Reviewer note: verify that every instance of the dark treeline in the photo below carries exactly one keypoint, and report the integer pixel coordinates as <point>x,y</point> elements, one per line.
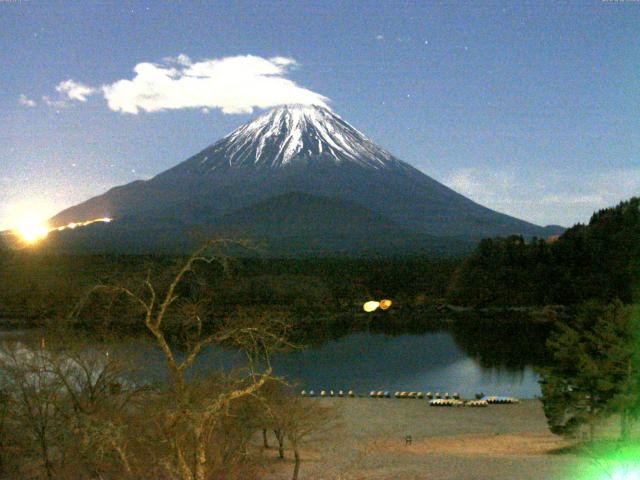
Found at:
<point>599,261</point>
<point>37,286</point>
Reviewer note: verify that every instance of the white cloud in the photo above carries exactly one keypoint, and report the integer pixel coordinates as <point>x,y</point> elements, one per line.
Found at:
<point>559,199</point>
<point>469,182</point>
<point>26,101</point>
<point>51,102</point>
<point>550,199</point>
<point>233,84</point>
<point>181,59</point>
<point>74,90</point>
<point>68,91</point>
<point>283,61</point>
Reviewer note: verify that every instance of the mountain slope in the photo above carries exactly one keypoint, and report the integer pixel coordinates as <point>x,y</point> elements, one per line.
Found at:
<point>292,224</point>
<point>303,149</point>
<point>300,223</point>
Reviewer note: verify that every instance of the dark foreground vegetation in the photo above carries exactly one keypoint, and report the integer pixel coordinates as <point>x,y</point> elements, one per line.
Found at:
<point>70,410</point>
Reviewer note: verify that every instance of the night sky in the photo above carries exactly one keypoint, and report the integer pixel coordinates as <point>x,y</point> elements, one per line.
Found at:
<point>530,108</point>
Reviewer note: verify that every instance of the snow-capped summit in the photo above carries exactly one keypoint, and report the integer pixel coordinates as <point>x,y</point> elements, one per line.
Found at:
<point>291,134</point>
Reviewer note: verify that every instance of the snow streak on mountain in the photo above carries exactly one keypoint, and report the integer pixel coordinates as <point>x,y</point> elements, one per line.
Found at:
<point>296,133</point>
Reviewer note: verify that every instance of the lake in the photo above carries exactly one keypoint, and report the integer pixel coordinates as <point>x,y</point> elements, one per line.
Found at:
<point>430,361</point>
<point>495,360</point>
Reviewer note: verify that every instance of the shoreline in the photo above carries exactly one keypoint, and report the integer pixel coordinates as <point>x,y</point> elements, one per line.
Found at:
<point>368,441</point>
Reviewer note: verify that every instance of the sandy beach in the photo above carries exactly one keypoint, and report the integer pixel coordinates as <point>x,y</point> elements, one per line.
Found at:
<point>368,442</point>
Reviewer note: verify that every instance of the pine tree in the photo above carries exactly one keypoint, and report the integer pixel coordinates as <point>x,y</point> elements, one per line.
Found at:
<point>594,370</point>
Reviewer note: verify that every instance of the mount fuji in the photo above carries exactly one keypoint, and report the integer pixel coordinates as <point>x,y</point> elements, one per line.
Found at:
<point>300,179</point>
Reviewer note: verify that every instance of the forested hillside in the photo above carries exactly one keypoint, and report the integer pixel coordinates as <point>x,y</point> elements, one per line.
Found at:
<point>599,261</point>
<point>38,286</point>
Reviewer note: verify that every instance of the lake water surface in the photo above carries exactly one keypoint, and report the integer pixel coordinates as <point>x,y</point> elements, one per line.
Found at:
<point>498,361</point>
<point>412,362</point>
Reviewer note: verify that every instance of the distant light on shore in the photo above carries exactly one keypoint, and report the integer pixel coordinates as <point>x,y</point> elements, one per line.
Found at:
<point>385,304</point>
<point>371,306</point>
<point>31,233</point>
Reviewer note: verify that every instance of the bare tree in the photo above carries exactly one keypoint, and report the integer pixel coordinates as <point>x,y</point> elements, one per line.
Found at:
<point>304,419</point>
<point>295,419</point>
<point>64,398</point>
<point>99,397</point>
<point>35,399</point>
<point>79,415</point>
<point>4,430</point>
<point>195,408</point>
<point>274,400</point>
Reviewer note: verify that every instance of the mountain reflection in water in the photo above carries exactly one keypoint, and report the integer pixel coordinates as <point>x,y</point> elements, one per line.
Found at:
<point>430,361</point>
<point>467,357</point>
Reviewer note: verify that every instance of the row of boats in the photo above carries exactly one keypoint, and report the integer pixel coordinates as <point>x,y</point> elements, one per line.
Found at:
<point>479,402</point>
<point>435,399</point>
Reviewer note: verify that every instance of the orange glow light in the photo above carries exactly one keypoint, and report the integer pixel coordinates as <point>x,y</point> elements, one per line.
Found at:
<point>32,232</point>
<point>385,304</point>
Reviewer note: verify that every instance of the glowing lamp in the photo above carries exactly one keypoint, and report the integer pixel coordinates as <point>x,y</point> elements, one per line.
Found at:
<point>31,233</point>
<point>371,306</point>
<point>385,304</point>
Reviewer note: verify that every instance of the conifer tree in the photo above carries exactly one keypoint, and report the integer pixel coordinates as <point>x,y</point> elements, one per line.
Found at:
<point>594,369</point>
